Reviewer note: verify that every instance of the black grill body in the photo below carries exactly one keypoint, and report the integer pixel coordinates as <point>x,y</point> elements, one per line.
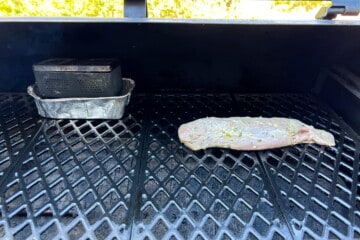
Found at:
<point>133,179</point>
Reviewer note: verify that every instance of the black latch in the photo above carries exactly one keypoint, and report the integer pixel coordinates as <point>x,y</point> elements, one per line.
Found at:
<point>343,7</point>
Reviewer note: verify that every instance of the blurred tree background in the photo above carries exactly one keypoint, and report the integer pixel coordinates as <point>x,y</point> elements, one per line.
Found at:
<point>235,9</point>
<point>205,9</point>
<point>62,8</point>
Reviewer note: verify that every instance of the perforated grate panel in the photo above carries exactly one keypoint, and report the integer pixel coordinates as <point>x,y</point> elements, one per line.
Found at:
<point>132,179</point>
<point>18,124</point>
<point>317,187</point>
<point>77,182</point>
<point>212,194</point>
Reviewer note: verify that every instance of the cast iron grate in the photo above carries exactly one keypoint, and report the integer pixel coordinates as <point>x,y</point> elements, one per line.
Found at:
<point>212,194</point>
<point>18,124</point>
<point>318,187</point>
<point>131,178</point>
<point>77,182</point>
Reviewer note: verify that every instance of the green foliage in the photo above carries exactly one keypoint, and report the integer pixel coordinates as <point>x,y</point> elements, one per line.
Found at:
<point>288,6</point>
<point>192,8</point>
<point>62,8</point>
<point>213,9</point>
<point>233,9</point>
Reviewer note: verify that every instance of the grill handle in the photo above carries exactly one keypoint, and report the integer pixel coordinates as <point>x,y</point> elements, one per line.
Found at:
<point>343,7</point>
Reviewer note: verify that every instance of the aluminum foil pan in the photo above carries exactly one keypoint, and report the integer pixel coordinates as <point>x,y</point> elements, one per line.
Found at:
<point>84,108</point>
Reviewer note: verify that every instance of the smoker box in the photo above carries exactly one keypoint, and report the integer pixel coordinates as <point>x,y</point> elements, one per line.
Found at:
<point>65,78</point>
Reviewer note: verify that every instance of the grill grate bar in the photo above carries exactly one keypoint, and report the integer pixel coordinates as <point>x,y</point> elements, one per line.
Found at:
<point>189,195</point>
<point>315,186</point>
<point>18,126</point>
<point>131,178</point>
<point>92,187</point>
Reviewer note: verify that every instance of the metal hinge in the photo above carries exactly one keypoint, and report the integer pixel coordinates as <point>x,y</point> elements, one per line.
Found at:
<point>343,7</point>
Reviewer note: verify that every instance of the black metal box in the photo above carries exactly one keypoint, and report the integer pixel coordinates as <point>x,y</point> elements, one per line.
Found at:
<point>64,78</point>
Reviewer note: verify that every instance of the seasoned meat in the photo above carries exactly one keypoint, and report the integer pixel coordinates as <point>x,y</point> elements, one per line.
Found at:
<point>246,133</point>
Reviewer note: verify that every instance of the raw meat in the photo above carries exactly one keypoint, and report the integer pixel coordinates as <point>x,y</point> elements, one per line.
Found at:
<point>246,133</point>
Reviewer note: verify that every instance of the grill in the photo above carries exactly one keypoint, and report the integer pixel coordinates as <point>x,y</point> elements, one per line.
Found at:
<point>69,78</point>
<point>132,179</point>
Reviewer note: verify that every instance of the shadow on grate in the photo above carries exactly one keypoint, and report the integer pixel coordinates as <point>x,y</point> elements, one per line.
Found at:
<point>18,124</point>
<point>317,187</point>
<point>77,182</point>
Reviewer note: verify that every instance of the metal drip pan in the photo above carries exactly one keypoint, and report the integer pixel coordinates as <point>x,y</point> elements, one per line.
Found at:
<point>84,108</point>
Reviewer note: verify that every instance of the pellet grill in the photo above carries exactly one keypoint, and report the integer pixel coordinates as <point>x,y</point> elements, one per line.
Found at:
<point>133,179</point>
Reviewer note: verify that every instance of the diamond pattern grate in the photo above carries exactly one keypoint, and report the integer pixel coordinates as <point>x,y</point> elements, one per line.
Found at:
<point>18,124</point>
<point>77,181</point>
<point>317,187</point>
<point>131,178</point>
<point>212,194</point>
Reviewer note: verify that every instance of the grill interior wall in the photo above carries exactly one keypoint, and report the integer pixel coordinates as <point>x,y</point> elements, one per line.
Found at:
<point>209,57</point>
